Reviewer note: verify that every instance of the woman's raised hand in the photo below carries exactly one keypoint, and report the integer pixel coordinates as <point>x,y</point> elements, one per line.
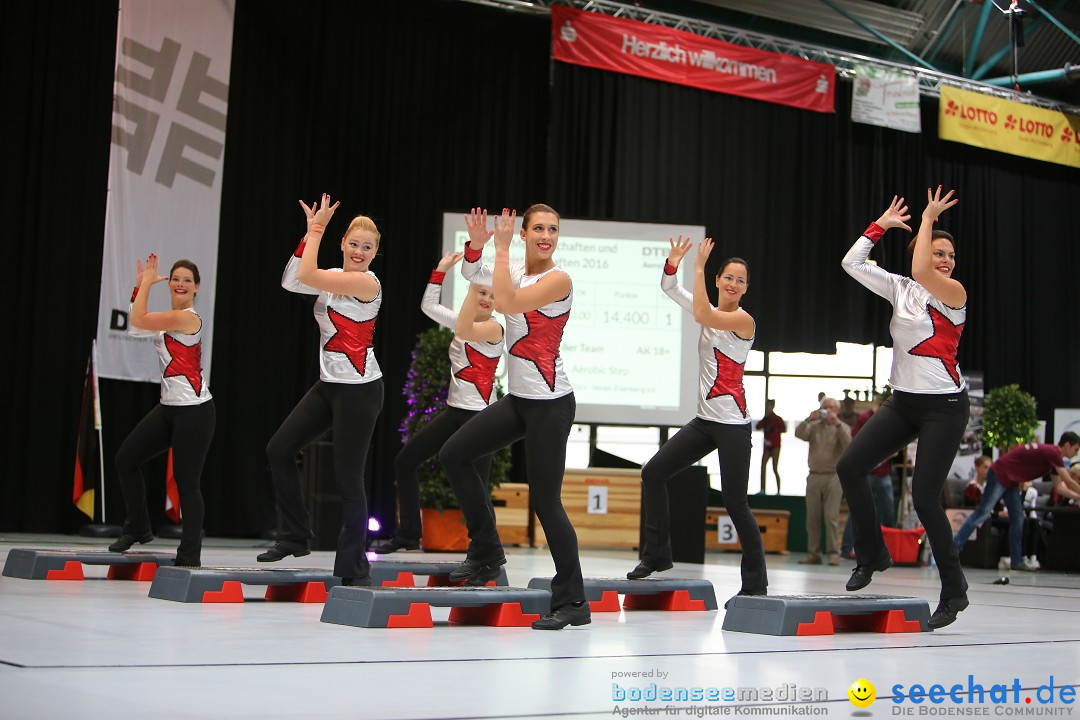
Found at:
<point>504,229</point>
<point>149,274</point>
<point>679,248</point>
<point>476,224</point>
<point>703,251</point>
<point>325,211</point>
<point>896,215</point>
<point>936,204</point>
<point>448,261</point>
<point>309,213</point>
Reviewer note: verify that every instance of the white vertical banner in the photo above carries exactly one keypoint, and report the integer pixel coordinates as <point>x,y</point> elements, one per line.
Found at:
<point>885,98</point>
<point>168,146</point>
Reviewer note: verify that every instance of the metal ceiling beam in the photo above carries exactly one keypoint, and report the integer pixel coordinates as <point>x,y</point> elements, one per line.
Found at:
<point>943,32</point>
<point>1007,48</point>
<point>929,81</point>
<point>873,31</point>
<point>1055,21</point>
<point>1069,72</point>
<point>969,61</point>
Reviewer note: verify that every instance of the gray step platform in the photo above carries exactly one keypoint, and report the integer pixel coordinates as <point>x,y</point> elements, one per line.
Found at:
<point>223,584</point>
<point>401,607</point>
<point>399,573</point>
<point>825,614</point>
<point>33,564</point>
<point>648,594</point>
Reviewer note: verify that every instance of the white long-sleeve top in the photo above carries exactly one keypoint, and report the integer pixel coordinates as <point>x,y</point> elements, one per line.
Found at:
<point>925,331</point>
<point>346,328</point>
<point>721,359</point>
<point>472,364</point>
<point>535,367</point>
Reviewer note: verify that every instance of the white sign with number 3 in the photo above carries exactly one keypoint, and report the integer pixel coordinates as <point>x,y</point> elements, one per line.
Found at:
<point>725,531</point>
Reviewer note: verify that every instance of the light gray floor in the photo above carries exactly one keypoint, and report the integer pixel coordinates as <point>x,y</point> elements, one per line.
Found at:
<point>103,649</point>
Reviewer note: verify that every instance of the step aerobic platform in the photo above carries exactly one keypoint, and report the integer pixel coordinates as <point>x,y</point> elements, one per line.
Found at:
<point>31,564</point>
<point>224,584</point>
<point>825,614</point>
<point>399,573</point>
<point>410,607</point>
<point>647,594</point>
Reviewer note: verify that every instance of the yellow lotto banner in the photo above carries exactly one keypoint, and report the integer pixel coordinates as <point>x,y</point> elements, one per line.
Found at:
<point>1006,126</point>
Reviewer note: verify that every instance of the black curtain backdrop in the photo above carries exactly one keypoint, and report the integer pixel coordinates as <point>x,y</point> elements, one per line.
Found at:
<point>790,190</point>
<point>56,66</point>
<point>403,111</point>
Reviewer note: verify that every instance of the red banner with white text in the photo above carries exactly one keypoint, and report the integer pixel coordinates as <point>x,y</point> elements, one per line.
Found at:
<point>661,53</point>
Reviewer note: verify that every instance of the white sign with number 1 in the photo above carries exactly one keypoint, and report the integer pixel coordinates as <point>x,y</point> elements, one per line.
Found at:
<point>598,499</point>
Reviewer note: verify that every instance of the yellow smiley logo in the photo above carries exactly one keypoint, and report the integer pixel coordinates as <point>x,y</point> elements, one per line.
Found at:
<point>862,693</point>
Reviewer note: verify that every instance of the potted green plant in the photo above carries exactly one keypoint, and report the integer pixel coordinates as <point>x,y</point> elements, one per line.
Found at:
<point>1009,417</point>
<point>425,390</point>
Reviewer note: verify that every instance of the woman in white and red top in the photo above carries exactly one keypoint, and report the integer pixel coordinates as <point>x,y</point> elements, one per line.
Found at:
<point>474,355</point>
<point>184,419</point>
<point>929,399</point>
<point>722,423</point>
<point>347,397</point>
<point>535,298</point>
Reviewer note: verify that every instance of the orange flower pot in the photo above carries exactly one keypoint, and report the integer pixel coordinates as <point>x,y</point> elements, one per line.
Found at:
<point>444,530</point>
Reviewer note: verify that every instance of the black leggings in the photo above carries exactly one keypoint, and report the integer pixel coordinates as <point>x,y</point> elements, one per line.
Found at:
<point>939,422</point>
<point>694,441</point>
<point>187,429</point>
<point>422,446</point>
<point>351,410</point>
<point>545,425</point>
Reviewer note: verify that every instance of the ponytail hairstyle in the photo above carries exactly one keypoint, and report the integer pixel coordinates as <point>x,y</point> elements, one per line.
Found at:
<point>934,235</point>
<point>535,208</point>
<point>363,222</point>
<point>736,261</point>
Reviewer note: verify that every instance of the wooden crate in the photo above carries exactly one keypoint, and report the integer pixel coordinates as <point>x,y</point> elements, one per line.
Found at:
<point>773,525</point>
<point>512,513</point>
<point>619,526</point>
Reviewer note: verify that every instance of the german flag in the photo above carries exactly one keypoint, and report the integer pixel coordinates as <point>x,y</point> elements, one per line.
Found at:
<point>87,449</point>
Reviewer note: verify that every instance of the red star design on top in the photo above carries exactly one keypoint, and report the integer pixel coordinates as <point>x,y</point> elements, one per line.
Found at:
<point>942,343</point>
<point>352,339</point>
<point>480,372</point>
<point>540,345</point>
<point>728,381</point>
<point>186,362</point>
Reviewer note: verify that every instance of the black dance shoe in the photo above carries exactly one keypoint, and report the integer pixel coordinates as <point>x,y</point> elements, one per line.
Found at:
<point>125,541</point>
<point>394,544</point>
<point>863,574</point>
<point>356,582</point>
<point>573,614</point>
<point>477,572</point>
<point>187,561</point>
<point>283,549</point>
<point>747,593</point>
<point>645,568</point>
<point>946,612</point>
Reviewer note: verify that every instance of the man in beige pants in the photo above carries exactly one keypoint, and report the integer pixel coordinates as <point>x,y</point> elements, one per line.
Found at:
<point>828,437</point>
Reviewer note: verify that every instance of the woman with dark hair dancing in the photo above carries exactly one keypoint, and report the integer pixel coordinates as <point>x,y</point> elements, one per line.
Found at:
<point>722,422</point>
<point>183,420</point>
<point>535,298</point>
<point>929,399</point>
<point>474,355</point>
<point>347,397</point>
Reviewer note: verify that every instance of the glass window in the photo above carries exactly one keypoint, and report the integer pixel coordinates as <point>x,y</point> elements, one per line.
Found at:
<point>755,362</point>
<point>882,367</point>
<point>577,447</point>
<point>636,444</point>
<point>850,360</point>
